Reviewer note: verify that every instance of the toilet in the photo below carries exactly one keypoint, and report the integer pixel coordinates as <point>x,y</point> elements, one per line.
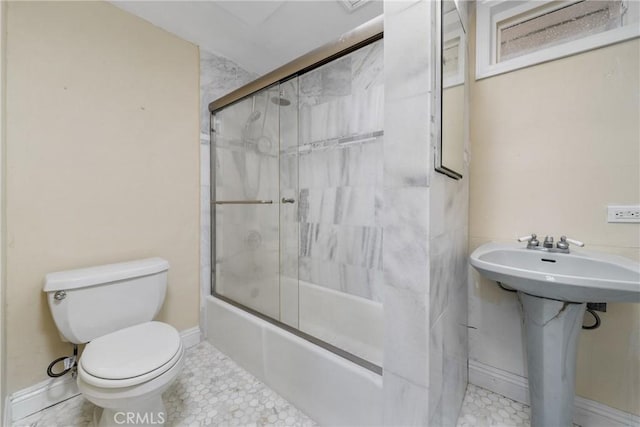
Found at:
<point>129,359</point>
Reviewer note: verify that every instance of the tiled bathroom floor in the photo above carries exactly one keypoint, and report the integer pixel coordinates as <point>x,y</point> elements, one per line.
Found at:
<point>213,390</point>
<point>482,408</point>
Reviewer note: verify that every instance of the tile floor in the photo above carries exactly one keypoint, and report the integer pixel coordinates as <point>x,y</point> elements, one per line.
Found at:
<point>482,408</point>
<point>213,390</point>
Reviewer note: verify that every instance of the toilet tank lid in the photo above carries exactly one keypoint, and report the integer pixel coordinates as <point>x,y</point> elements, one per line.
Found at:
<point>83,277</point>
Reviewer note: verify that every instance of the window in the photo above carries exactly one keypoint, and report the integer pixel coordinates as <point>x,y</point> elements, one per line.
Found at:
<point>517,34</point>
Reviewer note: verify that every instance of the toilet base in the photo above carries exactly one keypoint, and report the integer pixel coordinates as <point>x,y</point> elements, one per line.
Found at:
<point>151,413</point>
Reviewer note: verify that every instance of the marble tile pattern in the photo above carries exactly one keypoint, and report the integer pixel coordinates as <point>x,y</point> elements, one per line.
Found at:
<point>218,76</point>
<point>483,408</point>
<point>340,178</point>
<point>344,97</point>
<point>211,390</point>
<point>425,235</point>
<point>448,319</point>
<point>448,305</point>
<point>405,213</point>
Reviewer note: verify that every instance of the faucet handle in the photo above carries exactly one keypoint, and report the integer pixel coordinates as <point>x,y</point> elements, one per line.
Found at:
<point>572,241</point>
<point>532,240</point>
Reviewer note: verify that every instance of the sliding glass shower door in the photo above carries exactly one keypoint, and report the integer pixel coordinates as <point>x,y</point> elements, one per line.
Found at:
<point>246,197</point>
<point>297,196</point>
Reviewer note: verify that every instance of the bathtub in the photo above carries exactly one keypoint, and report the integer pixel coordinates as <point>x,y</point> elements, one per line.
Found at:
<point>329,388</point>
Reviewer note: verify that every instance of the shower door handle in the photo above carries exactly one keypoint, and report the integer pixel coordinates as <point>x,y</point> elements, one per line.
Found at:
<point>285,200</point>
<point>243,202</point>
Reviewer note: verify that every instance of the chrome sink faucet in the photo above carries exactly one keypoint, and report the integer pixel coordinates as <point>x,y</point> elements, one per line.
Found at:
<point>562,246</point>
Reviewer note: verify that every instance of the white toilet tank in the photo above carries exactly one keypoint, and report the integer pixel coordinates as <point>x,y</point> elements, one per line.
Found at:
<point>91,302</point>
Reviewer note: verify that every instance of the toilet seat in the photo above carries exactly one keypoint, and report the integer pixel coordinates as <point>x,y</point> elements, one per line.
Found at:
<point>130,356</point>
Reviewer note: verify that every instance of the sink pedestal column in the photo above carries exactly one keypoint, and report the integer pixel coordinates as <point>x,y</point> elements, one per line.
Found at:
<point>552,329</point>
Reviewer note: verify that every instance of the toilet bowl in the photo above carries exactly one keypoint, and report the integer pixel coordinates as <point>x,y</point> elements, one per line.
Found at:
<point>127,371</point>
<point>129,360</point>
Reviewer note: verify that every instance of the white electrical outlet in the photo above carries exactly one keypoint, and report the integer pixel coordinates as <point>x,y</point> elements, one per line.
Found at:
<point>618,213</point>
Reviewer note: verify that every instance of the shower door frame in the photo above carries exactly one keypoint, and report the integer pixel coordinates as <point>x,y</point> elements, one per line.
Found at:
<point>361,36</point>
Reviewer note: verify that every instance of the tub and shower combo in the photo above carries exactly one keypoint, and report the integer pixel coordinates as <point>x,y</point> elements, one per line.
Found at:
<point>296,245</point>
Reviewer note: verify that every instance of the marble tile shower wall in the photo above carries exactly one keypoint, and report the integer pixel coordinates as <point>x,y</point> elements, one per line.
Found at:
<point>218,76</point>
<point>341,119</point>
<point>424,218</point>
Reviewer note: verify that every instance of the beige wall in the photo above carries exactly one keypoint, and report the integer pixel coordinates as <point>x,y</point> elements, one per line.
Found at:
<point>102,149</point>
<point>552,145</point>
<point>3,27</point>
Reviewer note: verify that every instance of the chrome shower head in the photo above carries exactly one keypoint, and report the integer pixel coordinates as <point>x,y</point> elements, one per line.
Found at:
<point>279,100</point>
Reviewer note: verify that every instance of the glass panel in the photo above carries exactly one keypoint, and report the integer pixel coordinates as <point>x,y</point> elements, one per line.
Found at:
<point>289,226</point>
<point>340,178</point>
<point>246,136</point>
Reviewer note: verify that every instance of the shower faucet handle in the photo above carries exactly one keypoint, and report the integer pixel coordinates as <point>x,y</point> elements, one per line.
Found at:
<point>285,200</point>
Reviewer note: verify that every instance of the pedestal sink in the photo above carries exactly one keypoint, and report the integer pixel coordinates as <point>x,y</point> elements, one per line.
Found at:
<point>553,289</point>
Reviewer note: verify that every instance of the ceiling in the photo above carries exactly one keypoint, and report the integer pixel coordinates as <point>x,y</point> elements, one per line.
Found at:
<point>258,35</point>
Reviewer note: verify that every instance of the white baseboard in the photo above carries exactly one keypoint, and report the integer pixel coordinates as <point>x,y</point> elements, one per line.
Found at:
<point>40,396</point>
<point>588,413</point>
<point>191,337</point>
<point>499,381</point>
<point>50,392</point>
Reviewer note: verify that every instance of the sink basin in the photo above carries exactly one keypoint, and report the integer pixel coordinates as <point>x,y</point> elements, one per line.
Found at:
<point>580,276</point>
